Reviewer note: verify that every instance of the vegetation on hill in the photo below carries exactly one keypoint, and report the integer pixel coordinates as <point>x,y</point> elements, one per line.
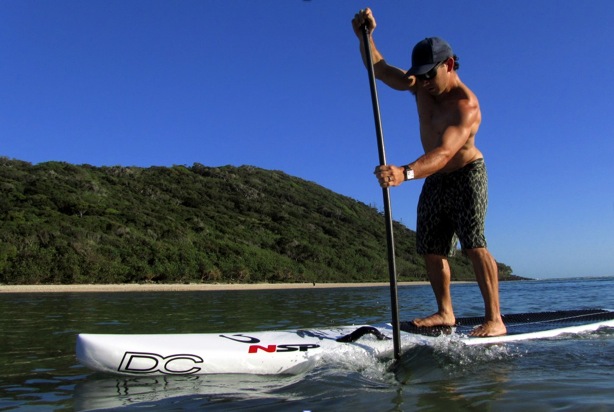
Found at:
<point>67,224</point>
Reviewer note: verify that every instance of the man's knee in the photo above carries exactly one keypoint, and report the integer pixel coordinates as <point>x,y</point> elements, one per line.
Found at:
<point>480,254</point>
<point>435,262</point>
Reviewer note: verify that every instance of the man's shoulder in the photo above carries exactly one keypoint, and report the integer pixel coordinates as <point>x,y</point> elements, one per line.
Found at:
<point>464,99</point>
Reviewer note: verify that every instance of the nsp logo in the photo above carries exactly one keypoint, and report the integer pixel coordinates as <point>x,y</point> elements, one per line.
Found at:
<point>149,363</point>
<point>241,338</point>
<point>303,347</point>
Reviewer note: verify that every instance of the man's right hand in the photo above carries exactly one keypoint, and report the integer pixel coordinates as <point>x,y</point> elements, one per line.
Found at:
<point>392,76</point>
<point>361,18</point>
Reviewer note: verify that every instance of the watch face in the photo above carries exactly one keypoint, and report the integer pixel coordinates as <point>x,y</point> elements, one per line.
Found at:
<point>409,173</point>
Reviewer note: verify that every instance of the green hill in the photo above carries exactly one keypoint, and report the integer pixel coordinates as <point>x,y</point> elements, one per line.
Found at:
<point>68,224</point>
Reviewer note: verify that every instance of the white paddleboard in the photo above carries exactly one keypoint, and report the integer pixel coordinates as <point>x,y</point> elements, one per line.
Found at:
<point>295,351</point>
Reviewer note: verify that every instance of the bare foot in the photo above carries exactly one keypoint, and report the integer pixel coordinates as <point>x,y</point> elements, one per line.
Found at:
<point>490,328</point>
<point>436,319</point>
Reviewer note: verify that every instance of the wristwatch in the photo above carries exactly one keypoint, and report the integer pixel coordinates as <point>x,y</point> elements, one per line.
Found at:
<point>408,172</point>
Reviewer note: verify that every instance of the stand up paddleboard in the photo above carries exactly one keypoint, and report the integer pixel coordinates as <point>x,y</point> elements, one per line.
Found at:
<point>295,351</point>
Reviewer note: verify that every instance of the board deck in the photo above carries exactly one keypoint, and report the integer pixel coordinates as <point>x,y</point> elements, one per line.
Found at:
<point>294,351</point>
<point>523,326</point>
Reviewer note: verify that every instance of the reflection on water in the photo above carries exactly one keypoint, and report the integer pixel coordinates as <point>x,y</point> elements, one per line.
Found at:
<point>114,392</point>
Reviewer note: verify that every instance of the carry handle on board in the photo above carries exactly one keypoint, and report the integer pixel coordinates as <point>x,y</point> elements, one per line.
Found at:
<point>392,271</point>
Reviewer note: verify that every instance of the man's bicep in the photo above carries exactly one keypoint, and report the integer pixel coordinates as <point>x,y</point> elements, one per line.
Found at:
<point>461,127</point>
<point>455,137</point>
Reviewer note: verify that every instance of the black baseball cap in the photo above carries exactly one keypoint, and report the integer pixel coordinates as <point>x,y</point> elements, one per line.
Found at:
<point>427,54</point>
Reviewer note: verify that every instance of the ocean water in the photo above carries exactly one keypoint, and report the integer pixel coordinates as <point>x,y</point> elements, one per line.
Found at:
<point>38,369</point>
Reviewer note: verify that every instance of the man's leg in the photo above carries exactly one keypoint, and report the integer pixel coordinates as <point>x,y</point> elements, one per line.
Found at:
<point>438,271</point>
<point>487,275</point>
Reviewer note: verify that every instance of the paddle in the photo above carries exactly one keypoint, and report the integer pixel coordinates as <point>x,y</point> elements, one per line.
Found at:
<point>392,271</point>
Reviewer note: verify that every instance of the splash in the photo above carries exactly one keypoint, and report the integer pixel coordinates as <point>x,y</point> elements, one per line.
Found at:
<point>445,356</point>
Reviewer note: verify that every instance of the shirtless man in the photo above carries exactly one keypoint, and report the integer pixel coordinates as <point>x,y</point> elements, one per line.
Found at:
<point>454,196</point>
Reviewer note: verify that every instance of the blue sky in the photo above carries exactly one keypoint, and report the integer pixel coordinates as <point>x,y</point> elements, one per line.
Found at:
<point>280,85</point>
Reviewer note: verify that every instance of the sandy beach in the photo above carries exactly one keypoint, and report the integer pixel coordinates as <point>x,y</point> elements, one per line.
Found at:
<point>186,287</point>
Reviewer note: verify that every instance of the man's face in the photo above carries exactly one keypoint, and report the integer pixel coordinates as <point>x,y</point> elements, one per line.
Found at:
<point>434,81</point>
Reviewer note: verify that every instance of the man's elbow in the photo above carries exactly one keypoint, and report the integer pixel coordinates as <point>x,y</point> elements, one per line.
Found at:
<point>443,159</point>
<point>379,70</point>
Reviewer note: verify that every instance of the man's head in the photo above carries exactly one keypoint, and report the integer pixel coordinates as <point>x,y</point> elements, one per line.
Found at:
<point>428,54</point>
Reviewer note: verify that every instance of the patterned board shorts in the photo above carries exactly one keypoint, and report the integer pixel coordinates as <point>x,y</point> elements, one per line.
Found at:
<point>452,207</point>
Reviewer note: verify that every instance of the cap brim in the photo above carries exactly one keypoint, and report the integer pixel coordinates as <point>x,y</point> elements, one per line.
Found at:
<point>416,71</point>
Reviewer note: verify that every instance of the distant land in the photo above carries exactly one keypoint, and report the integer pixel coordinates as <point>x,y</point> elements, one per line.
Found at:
<point>79,224</point>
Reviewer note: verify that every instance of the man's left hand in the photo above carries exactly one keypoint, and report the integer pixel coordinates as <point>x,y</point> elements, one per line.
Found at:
<point>389,175</point>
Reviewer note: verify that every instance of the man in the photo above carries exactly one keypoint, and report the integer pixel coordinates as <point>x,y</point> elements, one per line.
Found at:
<point>454,195</point>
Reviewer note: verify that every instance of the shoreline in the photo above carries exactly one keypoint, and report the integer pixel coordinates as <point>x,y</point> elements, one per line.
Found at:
<point>192,287</point>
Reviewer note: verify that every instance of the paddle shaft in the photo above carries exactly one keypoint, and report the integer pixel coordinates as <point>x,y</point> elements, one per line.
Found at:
<point>392,271</point>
